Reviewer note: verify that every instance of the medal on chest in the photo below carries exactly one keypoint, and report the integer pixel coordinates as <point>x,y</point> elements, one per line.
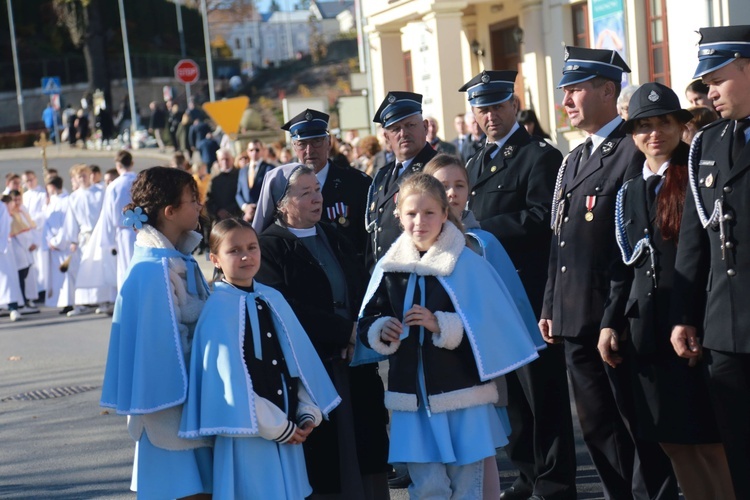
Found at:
<point>339,212</point>
<point>590,203</point>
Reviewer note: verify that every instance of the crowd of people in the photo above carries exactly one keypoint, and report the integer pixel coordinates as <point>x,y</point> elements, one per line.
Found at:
<point>490,272</point>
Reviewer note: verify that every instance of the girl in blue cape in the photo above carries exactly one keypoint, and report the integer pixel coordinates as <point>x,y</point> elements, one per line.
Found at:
<point>449,170</point>
<point>155,314</point>
<point>256,382</point>
<point>449,326</point>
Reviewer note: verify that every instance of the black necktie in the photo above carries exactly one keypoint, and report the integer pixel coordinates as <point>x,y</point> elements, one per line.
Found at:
<point>487,156</point>
<point>738,143</point>
<point>651,184</point>
<point>585,153</point>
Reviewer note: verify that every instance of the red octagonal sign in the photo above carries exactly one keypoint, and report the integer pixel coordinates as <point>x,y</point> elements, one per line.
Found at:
<point>187,71</point>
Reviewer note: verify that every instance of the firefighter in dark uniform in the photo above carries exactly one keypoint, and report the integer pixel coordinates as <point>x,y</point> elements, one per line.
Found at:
<point>584,258</point>
<point>344,188</point>
<point>512,178</point>
<point>713,253</point>
<point>405,129</point>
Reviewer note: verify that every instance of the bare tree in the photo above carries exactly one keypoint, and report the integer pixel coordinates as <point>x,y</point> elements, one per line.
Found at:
<point>83,20</point>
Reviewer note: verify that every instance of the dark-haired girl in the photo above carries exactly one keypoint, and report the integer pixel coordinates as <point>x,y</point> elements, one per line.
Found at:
<point>256,382</point>
<point>670,394</point>
<point>155,314</point>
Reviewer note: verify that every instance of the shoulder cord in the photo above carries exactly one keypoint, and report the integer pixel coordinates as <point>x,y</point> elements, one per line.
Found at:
<point>631,255</point>
<point>558,205</point>
<point>717,217</point>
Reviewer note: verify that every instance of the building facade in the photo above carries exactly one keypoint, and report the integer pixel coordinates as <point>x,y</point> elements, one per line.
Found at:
<point>434,46</point>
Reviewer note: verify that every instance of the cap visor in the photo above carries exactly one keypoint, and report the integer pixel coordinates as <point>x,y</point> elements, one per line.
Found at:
<point>573,77</point>
<point>682,116</point>
<point>706,66</point>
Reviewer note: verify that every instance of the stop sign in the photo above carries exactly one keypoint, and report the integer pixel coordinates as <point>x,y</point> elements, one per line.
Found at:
<point>187,71</point>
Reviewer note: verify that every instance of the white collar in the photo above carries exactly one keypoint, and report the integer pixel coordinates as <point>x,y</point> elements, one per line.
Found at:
<point>439,260</point>
<point>323,174</point>
<point>303,233</point>
<point>647,172</point>
<point>598,137</point>
<point>501,142</point>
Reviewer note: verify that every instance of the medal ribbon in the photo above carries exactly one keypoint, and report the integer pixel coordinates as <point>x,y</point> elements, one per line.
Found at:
<point>590,202</point>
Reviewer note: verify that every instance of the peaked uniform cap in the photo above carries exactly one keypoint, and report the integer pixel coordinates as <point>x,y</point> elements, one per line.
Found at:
<point>583,64</point>
<point>655,99</point>
<point>721,45</point>
<point>307,125</point>
<point>396,106</point>
<point>490,87</point>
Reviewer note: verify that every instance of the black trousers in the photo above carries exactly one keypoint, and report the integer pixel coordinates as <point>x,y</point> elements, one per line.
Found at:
<point>629,468</point>
<point>729,385</point>
<point>541,444</point>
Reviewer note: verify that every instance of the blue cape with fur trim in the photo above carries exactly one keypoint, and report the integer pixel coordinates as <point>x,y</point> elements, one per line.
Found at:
<point>221,397</point>
<point>146,369</point>
<point>492,250</point>
<point>499,337</point>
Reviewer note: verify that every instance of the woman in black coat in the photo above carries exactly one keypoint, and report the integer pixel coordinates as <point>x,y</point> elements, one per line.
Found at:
<point>670,393</point>
<point>318,272</point>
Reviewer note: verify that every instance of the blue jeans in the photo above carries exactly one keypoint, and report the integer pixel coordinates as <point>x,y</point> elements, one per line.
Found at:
<point>436,481</point>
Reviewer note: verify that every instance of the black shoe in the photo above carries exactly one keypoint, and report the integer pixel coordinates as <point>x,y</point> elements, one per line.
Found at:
<point>399,478</point>
<point>514,493</point>
<point>65,310</point>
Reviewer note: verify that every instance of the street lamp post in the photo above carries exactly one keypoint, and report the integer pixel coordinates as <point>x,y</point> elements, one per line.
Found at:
<point>183,51</point>
<point>19,91</point>
<point>128,72</point>
<point>209,57</point>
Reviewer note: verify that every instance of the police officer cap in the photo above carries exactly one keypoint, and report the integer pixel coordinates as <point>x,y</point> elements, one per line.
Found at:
<point>396,106</point>
<point>307,125</point>
<point>721,45</point>
<point>655,99</point>
<point>490,87</point>
<point>583,64</point>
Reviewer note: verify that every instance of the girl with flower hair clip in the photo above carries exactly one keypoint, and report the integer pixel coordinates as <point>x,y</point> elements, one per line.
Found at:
<point>156,310</point>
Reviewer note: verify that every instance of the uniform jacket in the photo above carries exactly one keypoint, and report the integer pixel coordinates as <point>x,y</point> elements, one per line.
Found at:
<point>288,266</point>
<point>470,146</point>
<point>512,199</point>
<point>466,296</point>
<point>346,190</point>
<point>699,263</point>
<point>382,224</point>
<point>642,300</point>
<point>244,193</point>
<point>583,255</point>
<point>443,147</point>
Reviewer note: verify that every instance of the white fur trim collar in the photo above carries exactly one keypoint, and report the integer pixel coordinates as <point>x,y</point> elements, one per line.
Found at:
<point>439,260</point>
<point>149,236</point>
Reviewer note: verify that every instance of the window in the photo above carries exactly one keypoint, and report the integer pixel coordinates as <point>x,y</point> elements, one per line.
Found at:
<point>581,24</point>
<point>237,43</point>
<point>658,42</point>
<point>250,42</point>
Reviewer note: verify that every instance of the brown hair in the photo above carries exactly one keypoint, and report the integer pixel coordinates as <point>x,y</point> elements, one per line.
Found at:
<point>422,183</point>
<point>159,187</point>
<point>221,229</point>
<point>124,158</point>
<point>671,196</point>
<point>443,161</point>
<point>702,116</point>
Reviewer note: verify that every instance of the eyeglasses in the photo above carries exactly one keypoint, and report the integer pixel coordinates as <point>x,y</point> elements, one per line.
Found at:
<point>316,143</point>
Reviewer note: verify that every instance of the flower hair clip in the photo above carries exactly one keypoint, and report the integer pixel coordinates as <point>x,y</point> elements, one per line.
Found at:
<point>134,218</point>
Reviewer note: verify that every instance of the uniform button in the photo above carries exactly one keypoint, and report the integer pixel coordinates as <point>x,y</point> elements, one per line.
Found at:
<point>566,219</point>
<point>649,294</point>
<point>279,392</point>
<point>727,189</point>
<point>274,362</point>
<point>728,216</point>
<point>380,249</point>
<point>268,335</point>
<point>563,269</point>
<point>380,229</point>
<point>380,210</point>
<point>562,244</point>
<point>597,188</point>
<point>260,307</point>
<point>569,195</point>
<point>729,244</point>
<point>500,186</point>
<point>473,193</point>
<point>645,231</point>
<point>731,272</point>
<point>649,273</point>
